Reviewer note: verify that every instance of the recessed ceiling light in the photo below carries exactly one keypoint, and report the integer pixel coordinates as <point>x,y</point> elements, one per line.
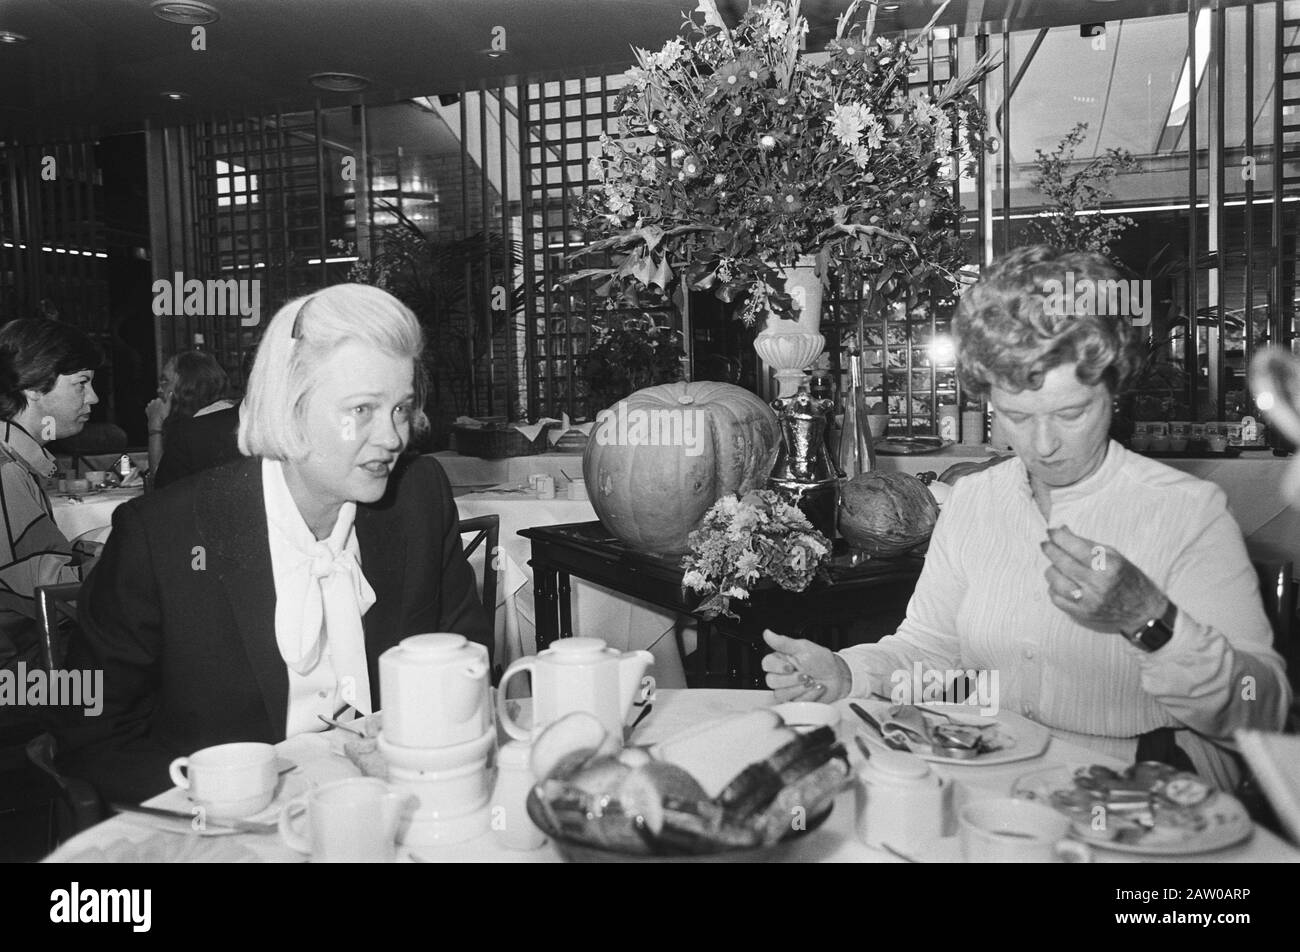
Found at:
<point>890,7</point>
<point>339,82</point>
<point>185,12</point>
<point>175,96</point>
<point>12,38</point>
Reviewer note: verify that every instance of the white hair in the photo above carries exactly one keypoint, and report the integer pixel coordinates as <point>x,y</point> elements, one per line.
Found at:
<point>300,337</point>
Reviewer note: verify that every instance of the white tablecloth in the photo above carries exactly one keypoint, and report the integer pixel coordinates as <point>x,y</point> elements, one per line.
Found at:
<point>673,712</point>
<point>94,514</point>
<point>625,623</point>
<point>470,472</point>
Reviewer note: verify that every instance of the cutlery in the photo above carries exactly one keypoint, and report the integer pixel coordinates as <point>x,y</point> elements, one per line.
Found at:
<point>862,746</point>
<point>284,770</point>
<point>340,725</point>
<point>645,712</point>
<point>243,826</point>
<point>901,855</point>
<point>893,739</point>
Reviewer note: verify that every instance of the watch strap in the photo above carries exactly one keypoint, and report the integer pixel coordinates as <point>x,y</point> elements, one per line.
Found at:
<point>1155,634</point>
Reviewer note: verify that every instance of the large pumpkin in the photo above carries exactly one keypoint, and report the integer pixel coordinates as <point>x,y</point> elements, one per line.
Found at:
<point>658,459</point>
<point>886,514</point>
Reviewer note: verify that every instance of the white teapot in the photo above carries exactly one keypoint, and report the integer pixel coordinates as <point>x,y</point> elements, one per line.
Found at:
<point>435,691</point>
<point>580,674</point>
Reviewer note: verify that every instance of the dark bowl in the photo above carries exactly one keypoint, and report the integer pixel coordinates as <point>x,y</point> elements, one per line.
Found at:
<point>574,851</point>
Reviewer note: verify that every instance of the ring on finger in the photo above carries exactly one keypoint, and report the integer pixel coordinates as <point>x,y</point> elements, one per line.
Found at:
<point>1077,594</point>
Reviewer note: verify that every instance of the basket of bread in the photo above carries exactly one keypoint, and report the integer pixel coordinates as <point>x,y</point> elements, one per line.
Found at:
<point>736,789</point>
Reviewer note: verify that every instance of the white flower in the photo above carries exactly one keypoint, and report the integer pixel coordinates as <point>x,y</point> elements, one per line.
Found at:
<point>847,120</point>
<point>668,56</point>
<point>695,579</point>
<point>736,592</point>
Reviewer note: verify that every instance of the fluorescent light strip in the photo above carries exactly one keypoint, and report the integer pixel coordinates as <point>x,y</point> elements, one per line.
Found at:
<point>344,260</point>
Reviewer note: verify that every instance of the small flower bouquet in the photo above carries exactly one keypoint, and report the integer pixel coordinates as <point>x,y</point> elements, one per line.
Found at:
<point>744,540</point>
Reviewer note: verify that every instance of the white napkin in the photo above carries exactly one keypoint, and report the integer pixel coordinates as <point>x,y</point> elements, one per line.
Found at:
<point>565,426</point>
<point>530,430</point>
<point>467,421</point>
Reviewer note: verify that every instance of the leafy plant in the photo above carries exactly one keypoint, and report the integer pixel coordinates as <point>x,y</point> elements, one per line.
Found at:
<point>736,155</point>
<point>1074,198</point>
<point>628,353</point>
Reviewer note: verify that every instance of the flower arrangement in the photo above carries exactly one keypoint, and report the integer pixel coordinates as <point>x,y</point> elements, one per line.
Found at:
<point>736,156</point>
<point>743,540</point>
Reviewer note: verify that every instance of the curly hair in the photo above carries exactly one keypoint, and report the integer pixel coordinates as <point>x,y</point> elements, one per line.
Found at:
<point>200,380</point>
<point>1018,322</point>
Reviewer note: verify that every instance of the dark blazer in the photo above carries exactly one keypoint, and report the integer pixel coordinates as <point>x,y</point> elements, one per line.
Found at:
<point>179,614</point>
<point>198,443</point>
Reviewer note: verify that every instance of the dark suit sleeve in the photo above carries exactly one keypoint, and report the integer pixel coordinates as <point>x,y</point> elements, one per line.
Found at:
<point>121,635</point>
<point>177,455</point>
<point>462,610</point>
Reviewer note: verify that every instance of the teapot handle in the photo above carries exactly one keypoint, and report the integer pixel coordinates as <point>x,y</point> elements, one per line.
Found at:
<point>503,710</point>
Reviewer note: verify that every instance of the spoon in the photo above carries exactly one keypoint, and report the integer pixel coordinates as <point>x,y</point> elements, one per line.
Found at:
<point>893,739</point>
<point>341,726</point>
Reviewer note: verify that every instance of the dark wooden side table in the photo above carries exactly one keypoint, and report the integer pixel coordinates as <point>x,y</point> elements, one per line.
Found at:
<point>863,600</point>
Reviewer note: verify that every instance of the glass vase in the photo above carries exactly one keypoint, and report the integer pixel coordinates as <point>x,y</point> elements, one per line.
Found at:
<point>856,455</point>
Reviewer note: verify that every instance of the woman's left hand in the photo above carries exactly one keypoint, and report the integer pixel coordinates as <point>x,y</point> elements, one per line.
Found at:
<point>1098,587</point>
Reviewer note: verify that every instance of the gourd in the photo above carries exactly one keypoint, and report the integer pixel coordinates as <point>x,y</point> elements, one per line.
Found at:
<point>659,458</point>
<point>886,514</point>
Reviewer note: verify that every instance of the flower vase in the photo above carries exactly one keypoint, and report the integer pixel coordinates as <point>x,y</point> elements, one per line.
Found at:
<point>786,346</point>
<point>857,454</point>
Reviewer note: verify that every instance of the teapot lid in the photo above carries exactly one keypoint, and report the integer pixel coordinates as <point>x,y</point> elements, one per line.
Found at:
<point>897,765</point>
<point>434,646</point>
<point>576,649</point>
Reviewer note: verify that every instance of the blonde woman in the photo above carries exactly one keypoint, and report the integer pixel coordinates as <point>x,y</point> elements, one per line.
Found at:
<point>243,603</point>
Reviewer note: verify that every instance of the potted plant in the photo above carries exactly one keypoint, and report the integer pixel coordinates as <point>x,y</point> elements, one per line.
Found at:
<point>628,353</point>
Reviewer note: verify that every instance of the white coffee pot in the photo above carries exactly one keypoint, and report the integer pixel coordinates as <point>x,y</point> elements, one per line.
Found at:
<point>580,674</point>
<point>435,691</point>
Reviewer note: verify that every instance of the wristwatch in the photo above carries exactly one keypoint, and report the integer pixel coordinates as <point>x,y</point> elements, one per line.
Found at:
<point>1155,633</point>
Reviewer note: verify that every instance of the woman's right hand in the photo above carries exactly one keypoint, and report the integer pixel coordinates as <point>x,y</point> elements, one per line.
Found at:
<point>799,670</point>
<point>157,411</point>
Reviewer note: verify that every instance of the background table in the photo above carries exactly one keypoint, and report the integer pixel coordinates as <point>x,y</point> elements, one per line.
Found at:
<point>674,711</point>
<point>625,623</point>
<point>470,472</point>
<point>94,514</point>
<point>863,600</point>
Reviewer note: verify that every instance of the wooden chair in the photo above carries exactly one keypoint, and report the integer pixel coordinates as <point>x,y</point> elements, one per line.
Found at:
<point>77,806</point>
<point>485,532</point>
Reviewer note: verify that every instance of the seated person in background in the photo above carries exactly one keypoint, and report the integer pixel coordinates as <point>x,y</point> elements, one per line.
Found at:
<point>1112,594</point>
<point>47,371</point>
<point>245,602</point>
<point>193,388</point>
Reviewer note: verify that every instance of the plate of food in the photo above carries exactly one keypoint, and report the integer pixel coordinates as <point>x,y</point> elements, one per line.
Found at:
<point>743,788</point>
<point>956,733</point>
<point>1150,808</point>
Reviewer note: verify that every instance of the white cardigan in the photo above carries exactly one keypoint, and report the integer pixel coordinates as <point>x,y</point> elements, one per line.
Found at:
<point>982,602</point>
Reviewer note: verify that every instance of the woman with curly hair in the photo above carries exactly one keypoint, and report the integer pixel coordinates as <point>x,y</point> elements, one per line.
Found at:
<point>192,384</point>
<point>1112,594</point>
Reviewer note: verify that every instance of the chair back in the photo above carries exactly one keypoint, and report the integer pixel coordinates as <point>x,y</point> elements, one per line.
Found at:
<point>53,603</point>
<point>483,532</point>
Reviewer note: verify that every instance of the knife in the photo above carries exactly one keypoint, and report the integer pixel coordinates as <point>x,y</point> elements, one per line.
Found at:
<point>875,725</point>
<point>228,823</point>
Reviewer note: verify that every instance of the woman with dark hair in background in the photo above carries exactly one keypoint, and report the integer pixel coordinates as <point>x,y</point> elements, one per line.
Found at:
<point>47,371</point>
<point>192,384</point>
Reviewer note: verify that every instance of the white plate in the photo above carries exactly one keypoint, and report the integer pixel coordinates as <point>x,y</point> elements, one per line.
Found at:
<point>177,799</point>
<point>807,715</point>
<point>1021,738</point>
<point>1228,823</point>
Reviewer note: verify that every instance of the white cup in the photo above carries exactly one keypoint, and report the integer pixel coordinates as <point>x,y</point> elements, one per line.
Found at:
<point>229,780</point>
<point>546,487</point>
<point>348,821</point>
<point>1006,830</point>
<point>578,489</point>
<point>96,478</point>
<point>900,801</point>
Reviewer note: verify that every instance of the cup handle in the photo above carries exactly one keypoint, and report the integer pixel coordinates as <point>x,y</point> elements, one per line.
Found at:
<point>176,770</point>
<point>292,838</point>
<point>647,691</point>
<point>503,713</point>
<point>1072,851</point>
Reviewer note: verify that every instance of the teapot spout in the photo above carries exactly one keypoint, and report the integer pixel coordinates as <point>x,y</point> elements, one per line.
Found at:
<point>633,685</point>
